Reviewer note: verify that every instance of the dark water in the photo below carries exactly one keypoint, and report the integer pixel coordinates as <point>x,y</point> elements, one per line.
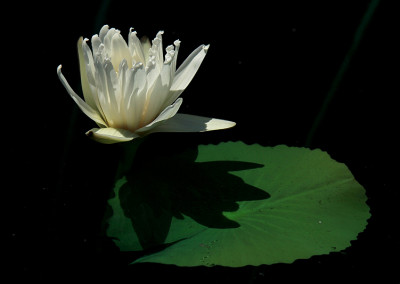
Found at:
<point>269,68</point>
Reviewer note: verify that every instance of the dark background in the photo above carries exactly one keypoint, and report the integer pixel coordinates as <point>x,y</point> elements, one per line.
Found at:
<point>269,68</point>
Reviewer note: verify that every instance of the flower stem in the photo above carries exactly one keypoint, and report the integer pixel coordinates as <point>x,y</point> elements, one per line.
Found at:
<point>128,152</point>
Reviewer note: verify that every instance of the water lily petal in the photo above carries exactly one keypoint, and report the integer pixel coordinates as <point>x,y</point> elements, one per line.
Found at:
<point>146,44</point>
<point>96,42</point>
<point>186,72</point>
<point>108,90</point>
<point>156,50</point>
<point>166,114</point>
<point>192,123</point>
<point>102,91</point>
<point>135,47</point>
<point>189,67</point>
<point>103,31</point>
<point>122,83</point>
<point>87,92</point>
<point>177,44</point>
<point>87,59</point>
<point>119,51</point>
<point>108,39</point>
<point>86,109</point>
<point>157,94</point>
<point>91,77</point>
<point>111,135</point>
<point>152,73</point>
<point>135,95</point>
<point>114,93</point>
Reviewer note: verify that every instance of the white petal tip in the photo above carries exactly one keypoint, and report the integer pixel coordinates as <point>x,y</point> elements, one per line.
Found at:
<point>219,124</point>
<point>206,47</point>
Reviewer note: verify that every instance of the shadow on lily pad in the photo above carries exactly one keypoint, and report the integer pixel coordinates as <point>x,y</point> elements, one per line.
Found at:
<point>208,204</point>
<point>166,183</point>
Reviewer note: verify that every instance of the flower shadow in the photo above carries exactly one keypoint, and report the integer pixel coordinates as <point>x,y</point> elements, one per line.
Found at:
<point>166,183</point>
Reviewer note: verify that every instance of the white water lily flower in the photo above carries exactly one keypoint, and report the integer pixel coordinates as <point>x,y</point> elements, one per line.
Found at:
<point>131,89</point>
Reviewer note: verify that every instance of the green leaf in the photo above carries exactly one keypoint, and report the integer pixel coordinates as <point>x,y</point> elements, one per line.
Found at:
<point>234,204</point>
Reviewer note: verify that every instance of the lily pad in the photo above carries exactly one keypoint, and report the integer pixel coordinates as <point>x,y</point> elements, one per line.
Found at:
<point>234,205</point>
